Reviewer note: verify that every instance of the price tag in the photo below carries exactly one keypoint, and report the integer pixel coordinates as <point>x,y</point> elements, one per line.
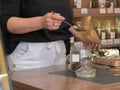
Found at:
<point>78,3</point>
<point>72,40</point>
<point>116,41</point>
<point>75,57</point>
<point>109,10</point>
<point>104,42</point>
<point>117,10</point>
<point>84,11</point>
<point>110,41</point>
<point>119,41</point>
<point>102,10</point>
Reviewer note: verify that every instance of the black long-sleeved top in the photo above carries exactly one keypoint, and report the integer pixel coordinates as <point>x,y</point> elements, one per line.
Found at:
<point>32,8</point>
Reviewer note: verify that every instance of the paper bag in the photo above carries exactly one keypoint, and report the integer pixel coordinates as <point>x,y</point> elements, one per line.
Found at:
<point>89,35</point>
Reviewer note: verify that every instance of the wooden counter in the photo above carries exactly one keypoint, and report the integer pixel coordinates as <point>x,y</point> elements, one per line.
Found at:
<point>41,79</point>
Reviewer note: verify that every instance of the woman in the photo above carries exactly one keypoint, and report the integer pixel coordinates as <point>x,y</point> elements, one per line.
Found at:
<point>34,36</point>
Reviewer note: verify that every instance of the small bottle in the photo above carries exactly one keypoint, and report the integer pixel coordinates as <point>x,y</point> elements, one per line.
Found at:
<point>108,28</point>
<point>117,29</point>
<point>117,3</point>
<point>98,27</point>
<point>95,4</point>
<point>79,3</point>
<point>102,3</point>
<point>112,3</point>
<point>73,3</point>
<point>108,4</point>
<point>112,32</point>
<point>103,33</point>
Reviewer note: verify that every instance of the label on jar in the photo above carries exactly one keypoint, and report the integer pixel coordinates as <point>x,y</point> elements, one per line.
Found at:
<point>84,53</point>
<point>78,3</point>
<point>110,41</point>
<point>99,31</point>
<point>103,35</point>
<point>75,57</point>
<point>112,35</point>
<point>75,2</point>
<point>118,32</point>
<point>102,10</point>
<point>118,29</point>
<point>104,42</point>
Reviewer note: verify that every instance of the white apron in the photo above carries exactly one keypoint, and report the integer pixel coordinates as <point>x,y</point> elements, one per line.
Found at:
<point>35,55</point>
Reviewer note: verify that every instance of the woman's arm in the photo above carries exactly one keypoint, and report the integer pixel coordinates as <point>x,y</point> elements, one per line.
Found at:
<point>49,21</point>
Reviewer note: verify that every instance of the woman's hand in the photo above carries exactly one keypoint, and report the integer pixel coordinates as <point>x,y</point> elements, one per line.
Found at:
<point>92,46</point>
<point>74,32</point>
<point>52,21</point>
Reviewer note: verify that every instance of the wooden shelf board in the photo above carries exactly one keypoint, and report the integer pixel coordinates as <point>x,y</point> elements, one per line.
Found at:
<point>92,12</point>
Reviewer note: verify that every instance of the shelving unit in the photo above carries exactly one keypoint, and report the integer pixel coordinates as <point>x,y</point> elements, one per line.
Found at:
<point>80,12</point>
<point>86,10</point>
<point>110,46</point>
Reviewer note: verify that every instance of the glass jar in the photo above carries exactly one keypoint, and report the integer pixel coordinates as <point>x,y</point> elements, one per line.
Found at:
<point>102,3</point>
<point>95,4</point>
<point>117,29</point>
<point>75,57</point>
<point>108,25</point>
<point>85,71</point>
<point>108,4</point>
<point>98,27</point>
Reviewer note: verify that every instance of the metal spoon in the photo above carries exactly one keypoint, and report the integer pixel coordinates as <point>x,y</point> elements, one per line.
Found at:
<point>78,29</point>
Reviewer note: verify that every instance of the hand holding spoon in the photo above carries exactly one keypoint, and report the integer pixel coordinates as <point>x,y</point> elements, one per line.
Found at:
<point>77,29</point>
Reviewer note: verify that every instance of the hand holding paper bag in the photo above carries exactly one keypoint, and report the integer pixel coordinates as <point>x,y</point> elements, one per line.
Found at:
<point>89,36</point>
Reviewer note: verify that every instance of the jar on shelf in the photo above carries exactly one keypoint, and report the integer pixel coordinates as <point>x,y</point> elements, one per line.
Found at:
<point>103,35</point>
<point>78,3</point>
<point>108,4</point>
<point>73,3</point>
<point>117,3</point>
<point>102,3</point>
<point>117,29</point>
<point>98,27</point>
<point>108,28</point>
<point>95,4</point>
<point>112,32</point>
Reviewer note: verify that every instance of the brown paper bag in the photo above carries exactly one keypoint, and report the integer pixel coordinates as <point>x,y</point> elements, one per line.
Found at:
<point>89,35</point>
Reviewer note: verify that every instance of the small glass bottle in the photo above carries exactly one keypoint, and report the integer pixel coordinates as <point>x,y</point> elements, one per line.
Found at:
<point>108,28</point>
<point>95,4</point>
<point>117,3</point>
<point>103,33</point>
<point>85,71</point>
<point>112,33</point>
<point>108,4</point>
<point>117,29</point>
<point>98,27</point>
<point>102,3</point>
<point>75,57</point>
<point>73,3</point>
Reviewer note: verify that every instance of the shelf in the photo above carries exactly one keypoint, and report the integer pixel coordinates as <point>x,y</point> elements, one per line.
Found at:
<point>110,46</point>
<point>79,12</point>
<point>78,42</point>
